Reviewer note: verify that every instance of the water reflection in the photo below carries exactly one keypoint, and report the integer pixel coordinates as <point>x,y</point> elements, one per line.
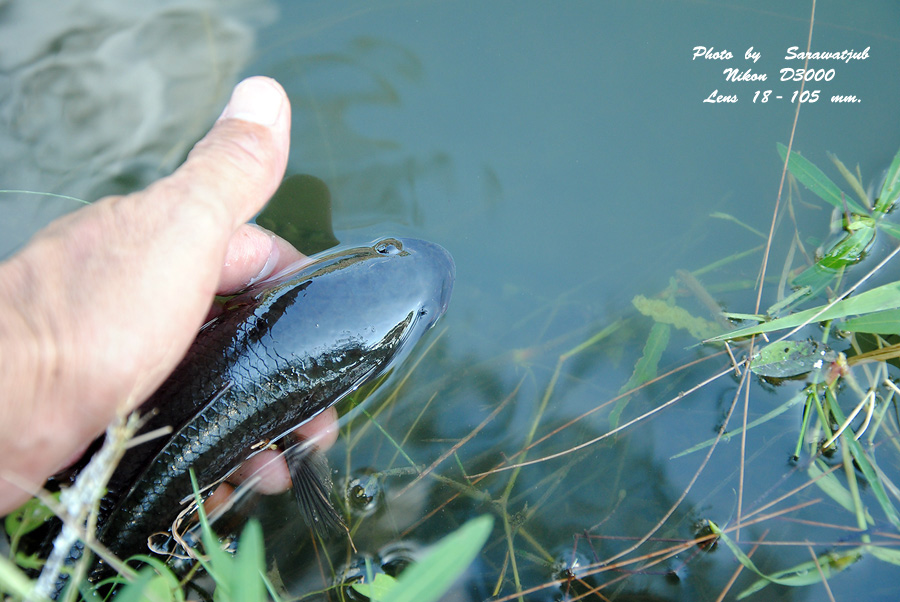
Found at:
<point>566,161</point>
<point>374,176</point>
<point>100,97</point>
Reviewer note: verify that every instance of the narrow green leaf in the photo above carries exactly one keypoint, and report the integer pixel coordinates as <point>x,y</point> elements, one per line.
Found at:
<point>818,183</point>
<point>249,565</point>
<point>891,229</point>
<point>886,554</point>
<point>645,369</point>
<point>807,573</point>
<point>378,589</point>
<point>833,488</point>
<point>882,322</point>
<point>890,190</point>
<point>731,218</point>
<point>149,587</point>
<point>797,398</point>
<point>430,578</point>
<point>803,574</point>
<point>866,464</point>
<point>217,562</point>
<point>13,580</point>
<point>163,570</point>
<point>852,180</point>
<point>878,299</point>
<point>870,471</point>
<point>776,308</point>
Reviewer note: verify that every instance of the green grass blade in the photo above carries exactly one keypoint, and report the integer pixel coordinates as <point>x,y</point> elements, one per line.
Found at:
<point>885,554</point>
<point>378,589</point>
<point>166,575</point>
<point>645,369</point>
<point>249,564</point>
<point>882,322</point>
<point>430,578</point>
<point>890,190</point>
<point>889,228</point>
<point>217,561</point>
<point>852,180</point>
<point>865,463</point>
<point>148,587</point>
<point>799,397</point>
<point>13,581</point>
<point>803,574</point>
<point>878,299</point>
<point>833,488</point>
<point>818,183</point>
<point>807,573</point>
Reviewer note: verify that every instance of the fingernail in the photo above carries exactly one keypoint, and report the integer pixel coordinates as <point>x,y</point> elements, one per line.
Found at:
<point>271,260</point>
<point>257,99</point>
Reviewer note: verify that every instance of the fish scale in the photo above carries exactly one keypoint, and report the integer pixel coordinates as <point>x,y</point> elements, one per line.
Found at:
<point>280,353</point>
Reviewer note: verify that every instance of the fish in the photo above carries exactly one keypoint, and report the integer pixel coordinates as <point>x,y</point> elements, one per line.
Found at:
<point>279,354</point>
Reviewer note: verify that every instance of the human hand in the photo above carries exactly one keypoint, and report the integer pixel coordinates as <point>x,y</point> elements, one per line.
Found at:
<point>101,305</point>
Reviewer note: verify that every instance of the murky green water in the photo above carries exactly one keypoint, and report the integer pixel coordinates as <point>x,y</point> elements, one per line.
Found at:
<point>564,155</point>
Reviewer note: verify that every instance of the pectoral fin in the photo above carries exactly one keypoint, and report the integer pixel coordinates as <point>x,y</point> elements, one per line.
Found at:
<point>311,482</point>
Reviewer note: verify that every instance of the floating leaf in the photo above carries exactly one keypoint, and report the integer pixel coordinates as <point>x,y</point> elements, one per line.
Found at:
<point>784,359</point>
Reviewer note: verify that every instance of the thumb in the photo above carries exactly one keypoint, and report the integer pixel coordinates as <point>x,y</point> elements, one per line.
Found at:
<point>102,304</point>
<point>239,164</point>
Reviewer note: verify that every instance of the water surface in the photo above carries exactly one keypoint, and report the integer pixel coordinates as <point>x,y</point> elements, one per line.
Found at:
<point>564,155</point>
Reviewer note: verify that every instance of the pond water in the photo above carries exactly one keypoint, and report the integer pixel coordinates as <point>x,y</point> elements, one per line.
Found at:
<point>563,153</point>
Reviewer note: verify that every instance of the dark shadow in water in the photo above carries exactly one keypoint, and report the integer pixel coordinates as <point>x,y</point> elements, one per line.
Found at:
<point>300,212</point>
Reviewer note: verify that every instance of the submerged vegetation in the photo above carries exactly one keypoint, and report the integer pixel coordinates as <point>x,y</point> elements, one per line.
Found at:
<point>825,351</point>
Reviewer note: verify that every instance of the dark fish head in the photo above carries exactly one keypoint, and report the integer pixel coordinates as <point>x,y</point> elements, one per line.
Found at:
<point>374,300</point>
<point>429,278</point>
<point>402,285</point>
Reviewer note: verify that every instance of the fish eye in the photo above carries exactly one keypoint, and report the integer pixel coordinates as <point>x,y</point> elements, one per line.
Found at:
<point>389,246</point>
